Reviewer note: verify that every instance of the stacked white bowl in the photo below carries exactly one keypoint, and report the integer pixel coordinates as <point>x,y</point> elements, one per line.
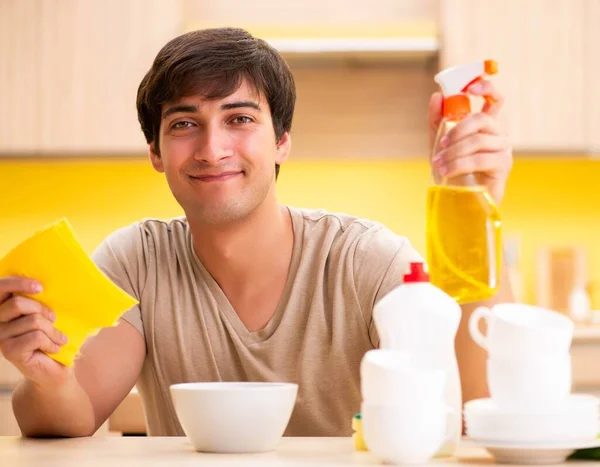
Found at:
<point>405,417</point>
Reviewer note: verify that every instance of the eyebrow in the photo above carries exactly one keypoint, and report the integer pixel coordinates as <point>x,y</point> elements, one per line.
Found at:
<point>182,108</point>
<point>241,104</point>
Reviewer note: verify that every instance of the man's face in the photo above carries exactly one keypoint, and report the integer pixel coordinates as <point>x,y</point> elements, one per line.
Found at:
<point>219,155</point>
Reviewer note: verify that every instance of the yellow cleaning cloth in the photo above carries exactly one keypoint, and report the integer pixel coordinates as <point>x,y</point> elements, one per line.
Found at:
<point>81,296</point>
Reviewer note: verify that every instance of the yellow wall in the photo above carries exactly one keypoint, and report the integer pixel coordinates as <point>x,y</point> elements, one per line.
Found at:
<point>549,201</point>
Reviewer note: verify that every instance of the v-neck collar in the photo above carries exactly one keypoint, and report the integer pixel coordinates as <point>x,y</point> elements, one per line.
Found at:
<point>225,307</point>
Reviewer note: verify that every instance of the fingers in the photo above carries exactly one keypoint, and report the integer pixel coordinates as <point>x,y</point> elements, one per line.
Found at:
<point>28,324</point>
<point>25,322</point>
<point>479,142</point>
<point>474,145</point>
<point>19,306</point>
<point>13,284</point>
<point>486,88</point>
<point>483,162</point>
<point>473,124</point>
<point>16,348</point>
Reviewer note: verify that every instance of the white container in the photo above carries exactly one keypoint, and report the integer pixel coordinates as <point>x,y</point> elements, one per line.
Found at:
<point>580,306</point>
<point>422,320</point>
<point>234,417</point>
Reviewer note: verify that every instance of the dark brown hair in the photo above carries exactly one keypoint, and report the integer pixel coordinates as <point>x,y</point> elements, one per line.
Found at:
<point>212,63</point>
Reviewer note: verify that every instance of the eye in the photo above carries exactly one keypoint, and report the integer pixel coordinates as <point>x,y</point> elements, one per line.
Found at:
<point>242,119</point>
<point>181,125</point>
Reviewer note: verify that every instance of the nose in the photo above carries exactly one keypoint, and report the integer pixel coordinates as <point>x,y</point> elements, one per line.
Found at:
<point>213,146</point>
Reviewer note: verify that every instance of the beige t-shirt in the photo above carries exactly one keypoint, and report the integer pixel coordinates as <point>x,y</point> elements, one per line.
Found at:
<point>340,267</point>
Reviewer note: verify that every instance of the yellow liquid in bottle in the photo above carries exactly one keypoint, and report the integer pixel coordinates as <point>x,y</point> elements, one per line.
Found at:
<point>463,242</point>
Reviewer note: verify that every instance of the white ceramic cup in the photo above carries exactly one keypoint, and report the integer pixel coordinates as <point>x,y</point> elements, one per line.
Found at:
<point>529,385</point>
<point>409,434</point>
<point>393,377</point>
<point>522,331</point>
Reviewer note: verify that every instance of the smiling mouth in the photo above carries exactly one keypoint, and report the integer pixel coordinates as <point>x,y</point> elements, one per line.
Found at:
<point>216,177</point>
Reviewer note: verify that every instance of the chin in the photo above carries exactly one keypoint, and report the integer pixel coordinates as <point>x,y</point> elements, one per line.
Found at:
<point>219,215</point>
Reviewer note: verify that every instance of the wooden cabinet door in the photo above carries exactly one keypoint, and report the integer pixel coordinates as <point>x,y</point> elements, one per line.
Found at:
<point>19,75</point>
<point>8,423</point>
<point>539,46</point>
<point>93,55</point>
<point>592,74</point>
<point>9,375</point>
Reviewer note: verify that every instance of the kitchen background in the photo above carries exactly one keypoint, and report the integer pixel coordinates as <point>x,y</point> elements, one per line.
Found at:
<point>70,143</point>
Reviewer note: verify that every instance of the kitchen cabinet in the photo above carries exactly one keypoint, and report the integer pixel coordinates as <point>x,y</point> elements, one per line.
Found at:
<point>592,74</point>
<point>585,359</point>
<point>128,418</point>
<point>9,378</point>
<point>8,423</point>
<point>72,71</point>
<point>9,375</point>
<point>93,54</point>
<point>361,113</point>
<point>19,75</point>
<point>540,47</point>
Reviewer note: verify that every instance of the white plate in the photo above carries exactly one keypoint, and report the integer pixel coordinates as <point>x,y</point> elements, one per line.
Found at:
<point>531,453</point>
<point>576,418</point>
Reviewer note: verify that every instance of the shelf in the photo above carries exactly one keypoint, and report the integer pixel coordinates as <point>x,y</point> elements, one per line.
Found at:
<point>357,48</point>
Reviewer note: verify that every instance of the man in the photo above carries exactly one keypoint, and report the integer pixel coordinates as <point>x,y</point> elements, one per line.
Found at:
<point>242,288</point>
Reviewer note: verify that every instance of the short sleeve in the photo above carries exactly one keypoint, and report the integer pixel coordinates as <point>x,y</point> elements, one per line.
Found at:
<point>120,257</point>
<point>381,259</point>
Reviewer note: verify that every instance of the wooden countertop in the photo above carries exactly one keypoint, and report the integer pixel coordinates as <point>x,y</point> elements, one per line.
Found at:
<point>177,452</point>
<point>586,332</point>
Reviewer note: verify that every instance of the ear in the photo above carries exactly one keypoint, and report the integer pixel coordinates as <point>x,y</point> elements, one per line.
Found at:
<point>284,145</point>
<point>155,158</point>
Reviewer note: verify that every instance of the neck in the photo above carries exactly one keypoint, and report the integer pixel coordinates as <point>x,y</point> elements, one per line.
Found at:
<point>238,254</point>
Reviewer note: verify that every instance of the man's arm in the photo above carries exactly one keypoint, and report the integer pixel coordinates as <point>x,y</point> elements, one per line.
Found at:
<point>107,370</point>
<point>471,357</point>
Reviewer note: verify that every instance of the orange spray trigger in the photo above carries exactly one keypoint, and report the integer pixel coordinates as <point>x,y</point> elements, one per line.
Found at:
<point>456,81</point>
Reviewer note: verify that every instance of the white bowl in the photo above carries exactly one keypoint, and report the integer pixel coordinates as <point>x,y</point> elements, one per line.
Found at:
<point>411,434</point>
<point>392,377</point>
<point>234,417</point>
<point>576,419</point>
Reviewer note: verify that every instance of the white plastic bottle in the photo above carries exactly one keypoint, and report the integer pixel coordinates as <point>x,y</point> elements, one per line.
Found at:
<point>580,307</point>
<point>422,320</point>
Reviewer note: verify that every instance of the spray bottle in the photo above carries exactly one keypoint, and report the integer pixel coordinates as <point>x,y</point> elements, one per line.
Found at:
<point>463,223</point>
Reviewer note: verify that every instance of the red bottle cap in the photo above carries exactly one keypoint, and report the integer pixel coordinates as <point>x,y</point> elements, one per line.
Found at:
<point>417,273</point>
